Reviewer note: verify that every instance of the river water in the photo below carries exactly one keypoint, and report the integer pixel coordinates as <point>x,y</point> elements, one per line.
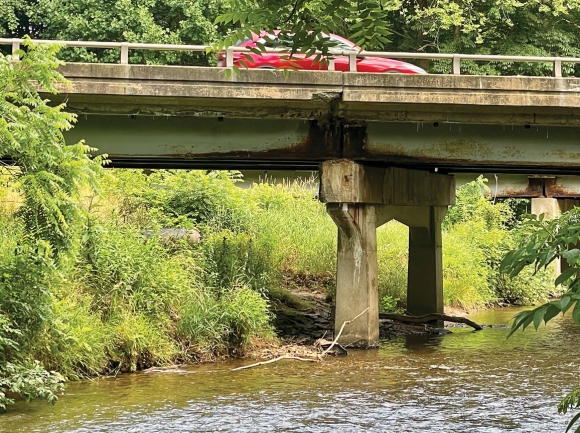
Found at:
<point>464,382</point>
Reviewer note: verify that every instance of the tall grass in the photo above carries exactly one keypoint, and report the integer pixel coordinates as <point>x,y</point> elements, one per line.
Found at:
<point>392,257</point>
<point>301,234</point>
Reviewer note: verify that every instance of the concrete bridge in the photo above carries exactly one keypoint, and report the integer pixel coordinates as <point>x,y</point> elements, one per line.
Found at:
<point>384,144</point>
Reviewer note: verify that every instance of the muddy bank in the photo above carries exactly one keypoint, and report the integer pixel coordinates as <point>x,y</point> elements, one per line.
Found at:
<point>304,317</point>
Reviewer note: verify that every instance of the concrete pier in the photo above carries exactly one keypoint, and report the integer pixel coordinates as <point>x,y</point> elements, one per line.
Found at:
<point>359,199</point>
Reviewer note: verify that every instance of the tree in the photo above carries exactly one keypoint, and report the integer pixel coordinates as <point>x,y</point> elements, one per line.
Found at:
<point>147,21</point>
<point>305,24</point>
<point>531,27</point>
<point>49,175</point>
<point>550,240</point>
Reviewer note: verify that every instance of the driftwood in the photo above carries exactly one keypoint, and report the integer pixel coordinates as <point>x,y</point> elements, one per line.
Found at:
<point>429,318</point>
<point>275,360</point>
<point>348,322</point>
<point>319,357</point>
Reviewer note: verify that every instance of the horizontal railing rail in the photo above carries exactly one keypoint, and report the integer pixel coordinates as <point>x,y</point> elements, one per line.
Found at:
<point>456,59</point>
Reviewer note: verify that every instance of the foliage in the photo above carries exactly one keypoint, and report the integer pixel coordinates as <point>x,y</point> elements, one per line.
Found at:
<point>194,198</point>
<point>290,218</point>
<point>47,172</point>
<point>571,401</point>
<point>25,281</point>
<point>392,257</point>
<point>467,274</point>
<point>77,341</point>
<point>139,341</point>
<point>30,380</point>
<point>388,304</point>
<point>547,241</point>
<point>304,25</point>
<point>235,258</point>
<point>531,28</point>
<point>119,268</point>
<point>150,21</point>
<point>215,324</point>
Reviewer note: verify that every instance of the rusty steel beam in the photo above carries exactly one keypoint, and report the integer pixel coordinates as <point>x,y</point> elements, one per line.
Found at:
<point>504,185</point>
<point>188,142</point>
<point>467,147</point>
<point>237,143</point>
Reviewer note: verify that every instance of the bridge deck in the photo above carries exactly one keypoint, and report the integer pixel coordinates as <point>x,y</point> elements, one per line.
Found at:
<point>192,116</point>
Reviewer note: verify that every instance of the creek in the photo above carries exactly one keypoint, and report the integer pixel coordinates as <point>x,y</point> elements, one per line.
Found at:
<point>463,382</point>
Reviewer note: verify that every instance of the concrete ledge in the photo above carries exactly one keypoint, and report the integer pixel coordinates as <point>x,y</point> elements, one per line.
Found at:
<point>198,73</point>
<point>320,94</point>
<point>469,82</point>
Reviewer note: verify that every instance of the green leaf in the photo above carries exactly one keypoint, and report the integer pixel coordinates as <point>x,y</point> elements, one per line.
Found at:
<point>565,303</point>
<point>572,422</point>
<point>568,273</point>
<point>539,316</point>
<point>576,313</point>
<point>551,312</point>
<point>571,256</point>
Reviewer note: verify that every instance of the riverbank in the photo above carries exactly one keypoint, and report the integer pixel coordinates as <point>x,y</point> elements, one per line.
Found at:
<point>123,298</point>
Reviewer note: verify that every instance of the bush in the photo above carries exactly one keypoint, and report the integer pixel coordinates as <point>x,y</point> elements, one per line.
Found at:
<point>295,225</point>
<point>139,342</point>
<point>30,380</point>
<point>215,324</point>
<point>467,275</point>
<point>76,343</point>
<point>236,258</point>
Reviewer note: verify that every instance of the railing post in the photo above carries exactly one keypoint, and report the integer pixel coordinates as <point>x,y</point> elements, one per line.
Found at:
<point>456,64</point>
<point>331,66</point>
<point>15,47</point>
<point>124,53</point>
<point>557,72</point>
<point>230,57</point>
<point>352,61</point>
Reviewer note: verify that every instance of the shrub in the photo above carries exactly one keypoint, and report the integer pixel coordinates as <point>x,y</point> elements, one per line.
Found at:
<point>232,258</point>
<point>77,341</point>
<point>215,324</point>
<point>139,342</point>
<point>296,226</point>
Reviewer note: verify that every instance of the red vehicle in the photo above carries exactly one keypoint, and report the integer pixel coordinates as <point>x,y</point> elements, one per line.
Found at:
<point>275,60</point>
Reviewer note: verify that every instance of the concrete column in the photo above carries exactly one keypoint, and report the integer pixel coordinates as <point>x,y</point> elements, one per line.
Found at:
<point>425,284</point>
<point>356,269</point>
<point>550,208</point>
<point>361,198</point>
<point>547,206</point>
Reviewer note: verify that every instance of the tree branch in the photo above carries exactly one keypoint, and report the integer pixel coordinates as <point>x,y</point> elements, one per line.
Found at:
<point>429,318</point>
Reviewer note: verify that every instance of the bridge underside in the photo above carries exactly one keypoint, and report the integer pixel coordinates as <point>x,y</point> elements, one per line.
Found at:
<point>244,143</point>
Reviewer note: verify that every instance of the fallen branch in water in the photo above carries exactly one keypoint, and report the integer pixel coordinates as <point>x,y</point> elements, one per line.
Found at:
<point>297,358</point>
<point>430,317</point>
<point>270,361</point>
<point>348,322</point>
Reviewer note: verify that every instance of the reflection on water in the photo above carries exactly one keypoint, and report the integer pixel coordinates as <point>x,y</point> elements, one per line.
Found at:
<point>464,382</point>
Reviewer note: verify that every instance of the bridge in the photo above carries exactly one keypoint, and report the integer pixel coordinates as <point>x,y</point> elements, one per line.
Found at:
<point>385,145</point>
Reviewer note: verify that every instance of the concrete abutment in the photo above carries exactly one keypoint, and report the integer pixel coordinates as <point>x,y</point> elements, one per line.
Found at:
<point>361,198</point>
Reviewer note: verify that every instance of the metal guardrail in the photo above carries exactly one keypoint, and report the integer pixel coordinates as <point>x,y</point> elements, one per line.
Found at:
<point>456,59</point>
